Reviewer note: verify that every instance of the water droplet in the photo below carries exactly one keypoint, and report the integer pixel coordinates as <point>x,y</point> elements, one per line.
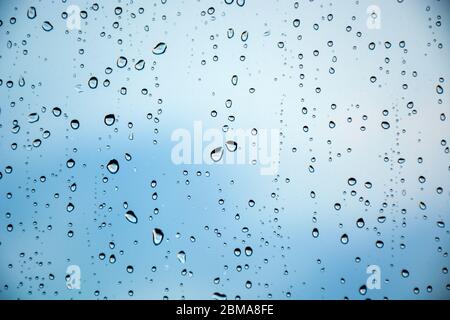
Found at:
<point>113,166</point>
<point>360,223</point>
<point>160,48</point>
<point>33,117</point>
<point>140,65</point>
<point>344,239</point>
<point>122,62</point>
<point>158,236</point>
<point>181,256</point>
<point>31,13</point>
<point>110,119</point>
<point>379,244</point>
<point>217,154</point>
<point>244,36</point>
<point>93,82</point>
<point>131,217</point>
<point>217,295</point>
<point>234,80</point>
<point>315,233</point>
<point>231,146</point>
<point>75,124</point>
<point>230,33</point>
<point>363,290</point>
<point>47,26</point>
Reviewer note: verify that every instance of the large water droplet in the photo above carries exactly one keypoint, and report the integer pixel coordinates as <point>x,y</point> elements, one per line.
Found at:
<point>110,119</point>
<point>231,146</point>
<point>31,13</point>
<point>131,217</point>
<point>385,125</point>
<point>158,236</point>
<point>122,62</point>
<point>93,82</point>
<point>113,166</point>
<point>219,296</point>
<point>181,256</point>
<point>33,117</point>
<point>47,26</point>
<point>140,65</point>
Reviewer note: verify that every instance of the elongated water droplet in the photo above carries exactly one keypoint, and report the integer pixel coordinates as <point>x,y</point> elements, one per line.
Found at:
<point>219,296</point>
<point>217,154</point>
<point>234,80</point>
<point>131,217</point>
<point>33,117</point>
<point>160,48</point>
<point>231,146</point>
<point>93,82</point>
<point>360,223</point>
<point>31,13</point>
<point>47,26</point>
<point>158,236</point>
